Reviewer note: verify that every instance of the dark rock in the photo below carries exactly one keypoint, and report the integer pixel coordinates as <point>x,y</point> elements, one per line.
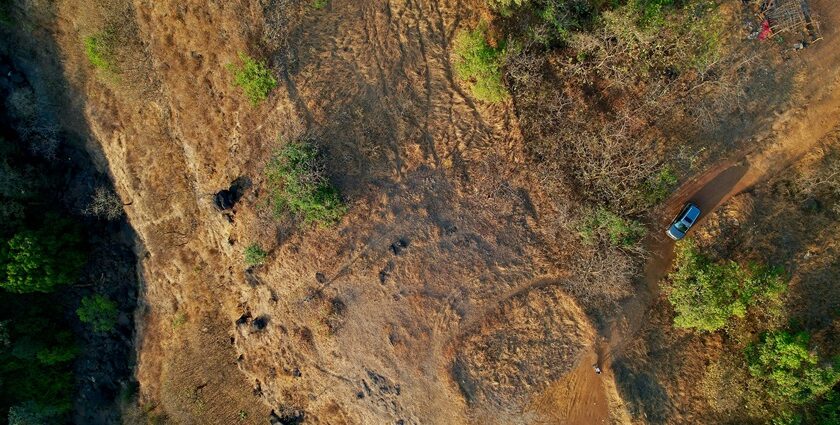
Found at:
<point>243,319</point>
<point>399,246</point>
<point>321,278</point>
<point>226,199</point>
<point>812,205</point>
<point>383,384</point>
<point>260,323</point>
<point>293,417</point>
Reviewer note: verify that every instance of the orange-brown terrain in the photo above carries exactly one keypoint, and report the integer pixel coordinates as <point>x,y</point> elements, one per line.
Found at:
<point>457,288</point>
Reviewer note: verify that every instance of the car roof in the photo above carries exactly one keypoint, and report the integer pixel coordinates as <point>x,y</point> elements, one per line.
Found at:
<point>692,212</point>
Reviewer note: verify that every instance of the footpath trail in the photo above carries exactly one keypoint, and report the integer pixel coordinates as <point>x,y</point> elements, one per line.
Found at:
<point>794,133</point>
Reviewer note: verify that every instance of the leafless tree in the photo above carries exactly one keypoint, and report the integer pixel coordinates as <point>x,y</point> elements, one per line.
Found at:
<point>105,204</point>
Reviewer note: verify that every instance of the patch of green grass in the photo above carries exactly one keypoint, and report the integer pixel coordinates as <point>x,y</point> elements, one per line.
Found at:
<point>179,320</point>
<point>603,224</point>
<point>480,64</point>
<point>99,312</point>
<point>320,4</point>
<point>254,77</point>
<point>298,186</point>
<point>706,294</point>
<point>99,50</point>
<point>788,369</point>
<point>255,255</point>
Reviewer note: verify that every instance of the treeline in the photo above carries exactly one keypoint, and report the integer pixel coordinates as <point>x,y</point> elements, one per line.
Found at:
<point>43,251</point>
<point>40,252</point>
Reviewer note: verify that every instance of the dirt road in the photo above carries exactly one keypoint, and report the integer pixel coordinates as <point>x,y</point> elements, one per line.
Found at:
<point>794,133</point>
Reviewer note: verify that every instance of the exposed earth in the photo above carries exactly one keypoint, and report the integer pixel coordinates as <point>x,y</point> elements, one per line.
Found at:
<point>444,295</point>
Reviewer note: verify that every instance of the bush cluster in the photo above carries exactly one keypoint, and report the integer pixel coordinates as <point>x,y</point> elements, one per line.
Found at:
<point>297,185</point>
<point>705,294</point>
<point>99,312</point>
<point>789,370</point>
<point>480,64</point>
<point>43,259</point>
<point>254,77</point>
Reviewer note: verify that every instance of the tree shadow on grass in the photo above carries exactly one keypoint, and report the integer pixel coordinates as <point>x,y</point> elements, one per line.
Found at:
<point>645,397</point>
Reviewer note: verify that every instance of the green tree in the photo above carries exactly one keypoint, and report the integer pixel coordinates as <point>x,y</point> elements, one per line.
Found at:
<point>41,260</point>
<point>99,312</point>
<point>36,357</point>
<point>706,294</point>
<point>791,372</point>
<point>298,186</point>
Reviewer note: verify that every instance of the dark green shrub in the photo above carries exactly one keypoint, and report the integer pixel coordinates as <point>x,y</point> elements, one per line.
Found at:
<point>789,370</point>
<point>297,185</point>
<point>603,224</point>
<point>255,255</point>
<point>480,64</point>
<point>40,261</point>
<point>254,77</point>
<point>706,294</point>
<point>99,312</point>
<point>827,411</point>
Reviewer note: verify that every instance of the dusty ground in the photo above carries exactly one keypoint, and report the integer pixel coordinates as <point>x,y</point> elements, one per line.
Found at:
<point>447,237</point>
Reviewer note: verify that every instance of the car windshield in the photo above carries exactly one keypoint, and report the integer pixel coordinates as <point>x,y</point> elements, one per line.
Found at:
<point>681,227</point>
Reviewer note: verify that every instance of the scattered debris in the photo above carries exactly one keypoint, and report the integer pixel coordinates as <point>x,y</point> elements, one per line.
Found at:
<point>788,16</point>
